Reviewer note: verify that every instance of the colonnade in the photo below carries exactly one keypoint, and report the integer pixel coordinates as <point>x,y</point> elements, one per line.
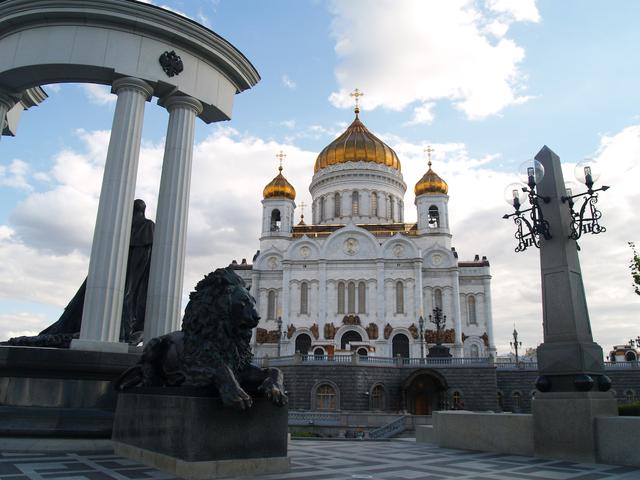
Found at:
<point>102,312</point>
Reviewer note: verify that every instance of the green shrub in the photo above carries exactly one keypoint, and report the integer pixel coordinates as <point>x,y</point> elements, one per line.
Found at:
<point>304,435</point>
<point>629,409</point>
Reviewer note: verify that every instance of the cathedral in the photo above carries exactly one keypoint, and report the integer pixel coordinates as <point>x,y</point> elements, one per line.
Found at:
<point>357,278</point>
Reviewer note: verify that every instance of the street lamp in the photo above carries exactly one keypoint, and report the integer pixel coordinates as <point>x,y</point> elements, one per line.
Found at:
<point>279,322</point>
<point>421,325</point>
<point>515,344</point>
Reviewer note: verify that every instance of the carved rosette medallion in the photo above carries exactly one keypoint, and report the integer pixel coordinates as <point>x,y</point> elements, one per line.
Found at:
<point>398,250</point>
<point>305,252</point>
<point>273,263</point>
<point>436,259</point>
<point>171,63</point>
<point>351,246</point>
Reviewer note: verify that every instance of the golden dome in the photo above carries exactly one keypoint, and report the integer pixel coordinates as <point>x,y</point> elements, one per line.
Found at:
<point>279,187</point>
<point>431,184</point>
<point>357,144</point>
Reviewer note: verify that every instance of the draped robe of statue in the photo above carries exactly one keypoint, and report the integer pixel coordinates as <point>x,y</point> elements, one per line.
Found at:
<point>67,327</point>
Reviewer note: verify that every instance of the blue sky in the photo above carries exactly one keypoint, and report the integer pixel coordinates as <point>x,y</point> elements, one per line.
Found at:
<point>487,83</point>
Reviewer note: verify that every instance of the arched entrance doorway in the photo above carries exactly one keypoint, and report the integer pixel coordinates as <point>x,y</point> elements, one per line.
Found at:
<point>348,337</point>
<point>400,345</point>
<point>303,343</point>
<point>422,391</point>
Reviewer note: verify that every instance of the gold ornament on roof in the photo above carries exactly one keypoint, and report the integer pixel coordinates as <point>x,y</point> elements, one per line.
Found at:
<point>301,206</point>
<point>431,183</point>
<point>279,187</point>
<point>357,144</point>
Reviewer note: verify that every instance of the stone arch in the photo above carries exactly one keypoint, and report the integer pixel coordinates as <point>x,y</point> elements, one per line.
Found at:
<point>302,343</point>
<point>389,250</point>
<point>297,251</point>
<point>423,391</point>
<point>318,385</point>
<point>384,399</point>
<point>346,328</point>
<point>366,246</point>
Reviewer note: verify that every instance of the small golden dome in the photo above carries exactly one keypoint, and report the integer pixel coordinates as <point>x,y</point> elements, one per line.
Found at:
<point>357,144</point>
<point>431,184</point>
<point>279,187</point>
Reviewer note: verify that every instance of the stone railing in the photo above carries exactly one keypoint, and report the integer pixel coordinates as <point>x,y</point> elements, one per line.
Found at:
<point>314,418</point>
<point>389,430</point>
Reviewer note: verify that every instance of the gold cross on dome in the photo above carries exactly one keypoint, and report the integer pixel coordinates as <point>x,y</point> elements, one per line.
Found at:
<point>357,94</point>
<point>280,156</point>
<point>429,151</point>
<point>301,207</point>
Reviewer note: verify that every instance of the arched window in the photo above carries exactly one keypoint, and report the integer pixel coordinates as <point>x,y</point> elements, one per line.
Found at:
<point>629,396</point>
<point>271,305</point>
<point>500,399</point>
<point>321,208</point>
<point>355,203</point>
<point>374,204</point>
<point>351,297</point>
<point>399,297</point>
<point>336,205</point>
<point>475,352</point>
<point>471,310</point>
<point>341,297</point>
<point>318,352</point>
<point>456,400</point>
<point>630,356</point>
<point>326,397</point>
<point>362,297</point>
<point>275,220</point>
<point>363,352</point>
<point>400,345</point>
<point>304,298</point>
<point>377,398</point>
<point>437,298</point>
<point>516,398</point>
<point>434,217</point>
<point>303,343</point>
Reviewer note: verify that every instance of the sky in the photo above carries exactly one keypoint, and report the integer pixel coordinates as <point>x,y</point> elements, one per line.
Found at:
<point>486,83</point>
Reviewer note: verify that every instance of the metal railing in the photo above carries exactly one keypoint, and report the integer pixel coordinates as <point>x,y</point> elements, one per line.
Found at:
<point>314,418</point>
<point>389,430</point>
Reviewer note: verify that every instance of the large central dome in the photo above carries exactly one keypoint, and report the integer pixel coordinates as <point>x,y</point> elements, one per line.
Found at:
<point>357,144</point>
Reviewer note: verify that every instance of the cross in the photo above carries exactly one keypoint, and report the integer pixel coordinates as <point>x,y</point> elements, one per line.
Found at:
<point>357,94</point>
<point>302,205</point>
<point>429,151</point>
<point>280,156</point>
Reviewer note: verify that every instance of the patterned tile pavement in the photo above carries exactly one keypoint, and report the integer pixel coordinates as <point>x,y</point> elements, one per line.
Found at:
<point>331,460</point>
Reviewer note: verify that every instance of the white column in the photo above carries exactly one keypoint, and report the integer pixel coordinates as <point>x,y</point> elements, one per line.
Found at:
<point>380,308</point>
<point>488,317</point>
<point>169,244</point>
<point>322,296</point>
<point>6,103</point>
<point>418,289</point>
<point>456,309</point>
<point>101,316</point>
<point>286,295</point>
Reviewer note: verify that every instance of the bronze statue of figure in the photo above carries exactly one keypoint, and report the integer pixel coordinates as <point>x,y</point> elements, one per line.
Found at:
<point>60,333</point>
<point>213,348</point>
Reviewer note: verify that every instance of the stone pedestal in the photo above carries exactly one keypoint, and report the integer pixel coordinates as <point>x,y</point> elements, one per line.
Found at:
<point>190,434</point>
<point>439,351</point>
<point>564,423</point>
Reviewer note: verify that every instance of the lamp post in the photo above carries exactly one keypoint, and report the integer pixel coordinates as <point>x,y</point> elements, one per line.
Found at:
<point>515,344</point>
<point>279,322</point>
<point>421,325</point>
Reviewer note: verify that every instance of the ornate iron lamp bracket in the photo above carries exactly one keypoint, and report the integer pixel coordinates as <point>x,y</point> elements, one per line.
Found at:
<point>581,220</point>
<point>536,227</point>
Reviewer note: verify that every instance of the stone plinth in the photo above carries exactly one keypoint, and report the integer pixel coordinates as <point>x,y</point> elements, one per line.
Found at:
<point>564,423</point>
<point>189,433</point>
<point>439,351</point>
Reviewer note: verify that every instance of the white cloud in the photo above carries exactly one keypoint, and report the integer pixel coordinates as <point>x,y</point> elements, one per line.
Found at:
<point>288,123</point>
<point>287,82</point>
<point>415,53</point>
<point>98,94</point>
<point>15,175</point>
<point>423,113</point>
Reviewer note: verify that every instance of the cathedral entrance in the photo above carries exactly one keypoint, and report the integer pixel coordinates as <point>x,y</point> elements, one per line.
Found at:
<point>348,337</point>
<point>303,343</point>
<point>400,346</point>
<point>422,391</point>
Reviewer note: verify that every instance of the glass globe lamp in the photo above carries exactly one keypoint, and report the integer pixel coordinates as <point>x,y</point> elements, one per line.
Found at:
<point>514,195</point>
<point>531,172</point>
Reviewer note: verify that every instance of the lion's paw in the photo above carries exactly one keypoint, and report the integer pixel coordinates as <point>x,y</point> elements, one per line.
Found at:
<point>274,393</point>
<point>237,398</point>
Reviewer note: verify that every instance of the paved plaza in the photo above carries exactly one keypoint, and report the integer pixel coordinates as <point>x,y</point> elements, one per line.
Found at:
<point>311,460</point>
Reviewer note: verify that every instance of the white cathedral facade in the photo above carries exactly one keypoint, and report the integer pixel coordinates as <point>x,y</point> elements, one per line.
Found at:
<point>358,278</point>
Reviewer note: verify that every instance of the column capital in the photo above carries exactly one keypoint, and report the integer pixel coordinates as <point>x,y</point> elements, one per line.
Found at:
<point>132,83</point>
<point>8,100</point>
<point>175,101</point>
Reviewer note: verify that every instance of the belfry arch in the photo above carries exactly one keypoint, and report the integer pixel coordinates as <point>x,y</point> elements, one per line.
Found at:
<point>141,51</point>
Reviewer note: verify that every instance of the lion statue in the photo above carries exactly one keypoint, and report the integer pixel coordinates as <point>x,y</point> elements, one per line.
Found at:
<point>212,349</point>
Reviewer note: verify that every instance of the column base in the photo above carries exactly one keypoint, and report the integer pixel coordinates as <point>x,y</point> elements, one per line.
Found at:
<point>564,423</point>
<point>98,346</point>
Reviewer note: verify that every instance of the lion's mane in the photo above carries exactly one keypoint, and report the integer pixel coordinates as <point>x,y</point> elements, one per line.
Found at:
<point>211,336</point>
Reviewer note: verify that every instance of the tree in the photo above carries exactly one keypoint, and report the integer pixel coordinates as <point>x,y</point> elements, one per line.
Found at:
<point>635,268</point>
